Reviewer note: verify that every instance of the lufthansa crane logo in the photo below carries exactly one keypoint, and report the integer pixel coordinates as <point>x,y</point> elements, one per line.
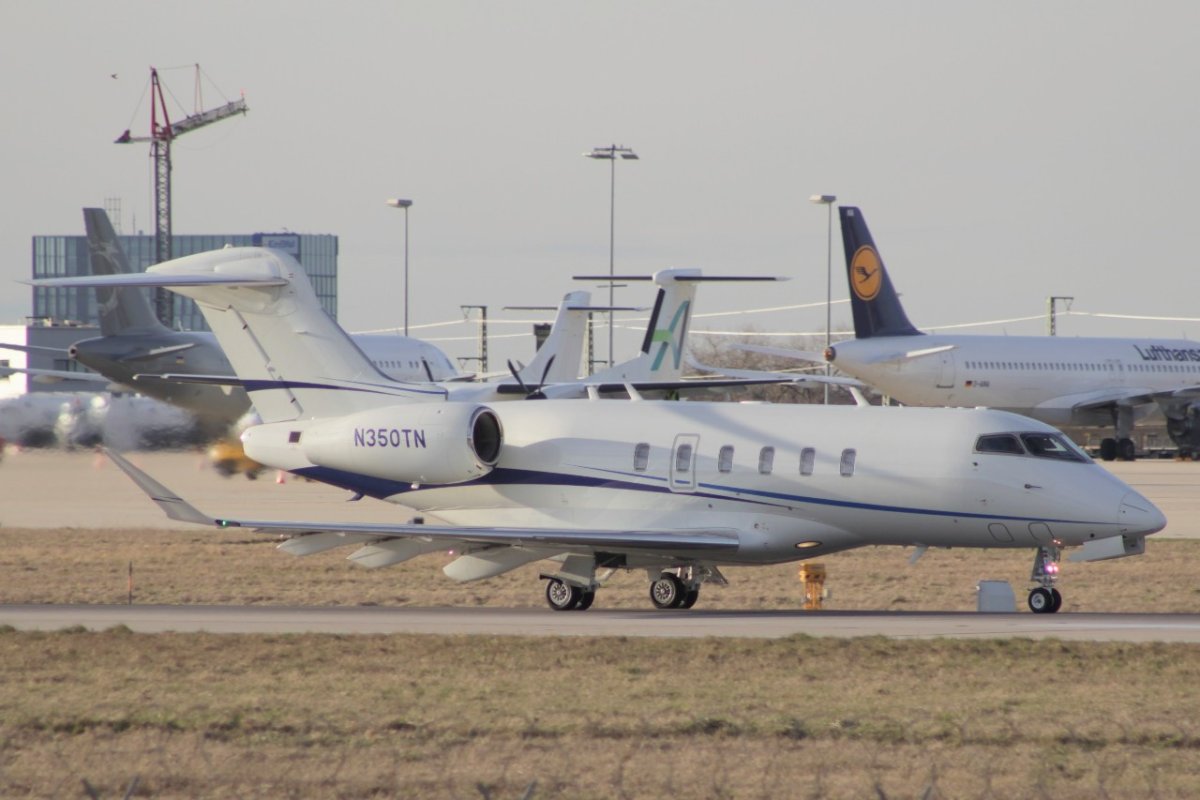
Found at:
<point>866,273</point>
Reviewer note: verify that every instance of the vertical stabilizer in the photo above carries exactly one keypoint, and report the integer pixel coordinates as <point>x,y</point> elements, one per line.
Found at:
<point>876,306</point>
<point>293,359</point>
<point>564,344</point>
<point>121,309</point>
<point>662,353</point>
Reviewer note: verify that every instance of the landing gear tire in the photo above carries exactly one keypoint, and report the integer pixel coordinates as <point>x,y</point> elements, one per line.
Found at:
<point>690,597</point>
<point>667,592</point>
<point>1041,601</point>
<point>1056,595</point>
<point>1126,451</point>
<point>1108,449</point>
<point>585,600</point>
<point>563,596</point>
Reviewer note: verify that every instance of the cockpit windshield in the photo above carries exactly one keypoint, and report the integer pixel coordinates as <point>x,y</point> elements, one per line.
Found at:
<point>1039,445</point>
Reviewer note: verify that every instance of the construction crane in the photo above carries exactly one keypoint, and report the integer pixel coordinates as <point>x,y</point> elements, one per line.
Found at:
<point>162,132</point>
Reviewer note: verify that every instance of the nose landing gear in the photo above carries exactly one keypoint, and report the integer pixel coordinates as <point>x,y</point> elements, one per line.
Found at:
<point>1045,599</point>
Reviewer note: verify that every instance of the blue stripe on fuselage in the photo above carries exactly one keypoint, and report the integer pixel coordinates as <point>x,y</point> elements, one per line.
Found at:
<point>383,488</point>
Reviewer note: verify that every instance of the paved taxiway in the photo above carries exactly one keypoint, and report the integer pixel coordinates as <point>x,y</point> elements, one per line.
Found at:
<point>598,622</point>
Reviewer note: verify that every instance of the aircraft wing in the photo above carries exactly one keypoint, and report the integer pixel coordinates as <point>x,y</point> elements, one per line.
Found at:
<point>1105,398</point>
<point>880,358</point>
<point>1126,396</point>
<point>55,375</point>
<point>702,542</point>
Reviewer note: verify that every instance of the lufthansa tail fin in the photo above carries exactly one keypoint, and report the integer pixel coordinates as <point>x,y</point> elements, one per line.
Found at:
<point>876,306</point>
<point>122,310</point>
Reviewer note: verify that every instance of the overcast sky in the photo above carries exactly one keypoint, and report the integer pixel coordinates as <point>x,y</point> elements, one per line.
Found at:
<point>1001,152</point>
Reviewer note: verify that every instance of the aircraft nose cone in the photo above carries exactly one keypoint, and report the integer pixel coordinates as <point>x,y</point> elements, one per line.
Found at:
<point>1139,516</point>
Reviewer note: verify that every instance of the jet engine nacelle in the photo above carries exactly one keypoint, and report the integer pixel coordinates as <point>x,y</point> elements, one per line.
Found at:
<point>424,443</point>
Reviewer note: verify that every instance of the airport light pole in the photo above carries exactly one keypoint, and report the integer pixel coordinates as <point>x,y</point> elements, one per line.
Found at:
<point>827,200</point>
<point>611,154</point>
<point>397,202</point>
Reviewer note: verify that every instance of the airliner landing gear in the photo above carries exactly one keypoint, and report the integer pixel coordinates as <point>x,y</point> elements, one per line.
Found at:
<point>1045,599</point>
<point>564,596</point>
<point>671,590</point>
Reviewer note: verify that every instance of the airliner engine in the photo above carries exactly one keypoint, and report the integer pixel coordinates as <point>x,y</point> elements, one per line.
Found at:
<point>426,443</point>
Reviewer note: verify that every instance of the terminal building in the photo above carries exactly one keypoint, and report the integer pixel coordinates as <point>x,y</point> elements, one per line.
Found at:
<point>62,316</point>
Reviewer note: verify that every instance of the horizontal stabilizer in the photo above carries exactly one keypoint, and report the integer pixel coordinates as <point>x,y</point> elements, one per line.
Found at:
<point>162,280</point>
<point>34,349</point>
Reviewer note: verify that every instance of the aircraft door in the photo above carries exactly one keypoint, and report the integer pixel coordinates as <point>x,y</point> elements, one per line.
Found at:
<point>681,476</point>
<point>946,370</point>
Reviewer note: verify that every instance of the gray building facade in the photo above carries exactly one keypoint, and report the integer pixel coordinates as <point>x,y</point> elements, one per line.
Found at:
<point>67,256</point>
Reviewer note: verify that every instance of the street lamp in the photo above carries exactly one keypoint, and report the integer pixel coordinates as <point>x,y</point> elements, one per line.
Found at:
<point>827,200</point>
<point>611,154</point>
<point>397,202</point>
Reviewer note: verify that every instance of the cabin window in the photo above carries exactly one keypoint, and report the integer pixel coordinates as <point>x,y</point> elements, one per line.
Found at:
<point>999,443</point>
<point>725,459</point>
<point>641,456</point>
<point>847,465</point>
<point>683,458</point>
<point>766,460</point>
<point>808,457</point>
<point>293,437</point>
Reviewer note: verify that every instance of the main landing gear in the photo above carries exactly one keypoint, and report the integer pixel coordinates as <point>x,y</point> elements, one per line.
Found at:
<point>564,596</point>
<point>1122,447</point>
<point>670,591</point>
<point>1045,599</point>
<point>573,588</point>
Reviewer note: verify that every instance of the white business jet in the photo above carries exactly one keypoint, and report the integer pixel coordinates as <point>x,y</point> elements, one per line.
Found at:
<point>678,489</point>
<point>1068,382</point>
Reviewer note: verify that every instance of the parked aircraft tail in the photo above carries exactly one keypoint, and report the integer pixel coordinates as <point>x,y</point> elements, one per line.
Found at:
<point>121,309</point>
<point>289,355</point>
<point>559,357</point>
<point>876,306</point>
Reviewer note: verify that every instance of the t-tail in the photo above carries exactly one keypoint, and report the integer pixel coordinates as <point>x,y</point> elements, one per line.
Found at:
<point>289,355</point>
<point>876,306</point>
<point>122,309</point>
<point>662,355</point>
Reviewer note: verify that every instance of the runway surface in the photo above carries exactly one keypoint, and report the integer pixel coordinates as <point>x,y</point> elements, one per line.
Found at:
<point>598,622</point>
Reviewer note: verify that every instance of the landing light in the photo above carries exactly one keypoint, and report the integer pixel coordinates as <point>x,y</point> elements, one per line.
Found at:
<point>807,545</point>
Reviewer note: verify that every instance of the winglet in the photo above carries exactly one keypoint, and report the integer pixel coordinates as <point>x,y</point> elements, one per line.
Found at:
<point>172,504</point>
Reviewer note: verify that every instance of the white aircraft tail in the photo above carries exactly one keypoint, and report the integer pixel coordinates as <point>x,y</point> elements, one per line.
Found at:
<point>291,357</point>
<point>559,357</point>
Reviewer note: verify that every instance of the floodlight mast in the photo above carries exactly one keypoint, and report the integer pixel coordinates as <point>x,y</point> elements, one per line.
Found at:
<point>610,154</point>
<point>161,134</point>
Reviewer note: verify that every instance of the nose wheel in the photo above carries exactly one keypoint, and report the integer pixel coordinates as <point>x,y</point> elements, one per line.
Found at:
<point>1045,599</point>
